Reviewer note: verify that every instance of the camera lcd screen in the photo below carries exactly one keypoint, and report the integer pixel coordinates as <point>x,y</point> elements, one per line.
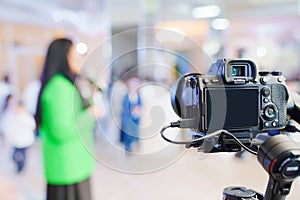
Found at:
<point>232,108</point>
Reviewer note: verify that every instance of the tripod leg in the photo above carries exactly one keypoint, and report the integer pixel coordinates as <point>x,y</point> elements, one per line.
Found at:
<point>277,190</point>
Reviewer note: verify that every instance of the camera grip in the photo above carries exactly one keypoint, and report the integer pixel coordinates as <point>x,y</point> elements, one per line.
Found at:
<point>279,98</point>
<point>294,107</point>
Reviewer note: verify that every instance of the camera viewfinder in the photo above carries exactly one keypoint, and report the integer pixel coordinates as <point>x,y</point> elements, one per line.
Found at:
<point>239,70</point>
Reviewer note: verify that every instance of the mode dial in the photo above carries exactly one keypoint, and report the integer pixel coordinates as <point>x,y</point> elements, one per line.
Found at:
<point>276,73</point>
<point>265,73</point>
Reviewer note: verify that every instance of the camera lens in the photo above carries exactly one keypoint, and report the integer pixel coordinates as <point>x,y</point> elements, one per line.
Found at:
<point>270,112</point>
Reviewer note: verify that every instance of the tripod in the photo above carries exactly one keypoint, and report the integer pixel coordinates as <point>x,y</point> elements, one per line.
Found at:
<point>280,157</point>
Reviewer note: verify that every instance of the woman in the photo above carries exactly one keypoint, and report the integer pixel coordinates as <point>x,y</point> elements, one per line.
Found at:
<point>65,125</point>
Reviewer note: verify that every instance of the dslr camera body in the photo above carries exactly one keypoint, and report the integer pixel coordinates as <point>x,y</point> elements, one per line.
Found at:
<point>231,96</point>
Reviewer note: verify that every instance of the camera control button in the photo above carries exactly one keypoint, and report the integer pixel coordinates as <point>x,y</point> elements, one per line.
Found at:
<point>284,191</point>
<point>280,79</point>
<point>205,81</point>
<point>265,91</point>
<point>271,111</point>
<point>264,80</point>
<point>266,100</point>
<point>214,80</point>
<point>267,124</point>
<point>274,124</point>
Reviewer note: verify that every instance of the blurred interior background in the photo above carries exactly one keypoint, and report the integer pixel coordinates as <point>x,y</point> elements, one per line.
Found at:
<point>265,31</point>
<point>155,37</point>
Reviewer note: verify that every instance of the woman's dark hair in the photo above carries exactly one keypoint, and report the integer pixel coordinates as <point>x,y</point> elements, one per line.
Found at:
<point>56,62</point>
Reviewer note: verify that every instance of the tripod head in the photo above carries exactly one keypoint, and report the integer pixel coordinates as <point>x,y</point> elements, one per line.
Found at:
<point>280,157</point>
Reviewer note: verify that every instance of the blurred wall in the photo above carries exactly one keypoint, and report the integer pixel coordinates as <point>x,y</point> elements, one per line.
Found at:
<point>23,48</point>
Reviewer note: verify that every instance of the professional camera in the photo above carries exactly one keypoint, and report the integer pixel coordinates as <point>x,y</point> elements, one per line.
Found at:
<point>228,104</point>
<point>233,97</point>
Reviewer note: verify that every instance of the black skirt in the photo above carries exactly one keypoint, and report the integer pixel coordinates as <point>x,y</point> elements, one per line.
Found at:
<point>77,191</point>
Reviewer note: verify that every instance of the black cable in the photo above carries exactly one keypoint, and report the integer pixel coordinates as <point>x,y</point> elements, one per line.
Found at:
<point>291,128</point>
<point>215,133</point>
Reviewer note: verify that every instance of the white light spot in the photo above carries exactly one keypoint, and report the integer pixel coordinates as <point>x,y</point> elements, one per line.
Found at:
<point>212,47</point>
<point>220,24</point>
<point>206,11</point>
<point>261,51</point>
<point>81,48</point>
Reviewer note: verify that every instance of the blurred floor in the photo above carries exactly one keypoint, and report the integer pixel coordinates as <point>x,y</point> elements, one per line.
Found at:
<point>190,177</point>
<point>29,184</point>
<point>156,171</point>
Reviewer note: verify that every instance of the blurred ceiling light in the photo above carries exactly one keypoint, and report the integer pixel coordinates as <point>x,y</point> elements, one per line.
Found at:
<point>212,47</point>
<point>81,48</point>
<point>220,24</point>
<point>57,16</point>
<point>206,11</point>
<point>170,35</point>
<point>261,51</point>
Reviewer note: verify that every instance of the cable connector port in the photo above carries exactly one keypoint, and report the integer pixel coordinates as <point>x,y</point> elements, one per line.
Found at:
<point>184,123</point>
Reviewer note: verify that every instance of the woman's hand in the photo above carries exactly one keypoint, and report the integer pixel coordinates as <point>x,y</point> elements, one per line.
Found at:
<point>96,111</point>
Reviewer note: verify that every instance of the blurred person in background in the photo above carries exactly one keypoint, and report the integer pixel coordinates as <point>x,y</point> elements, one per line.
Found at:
<point>116,93</point>
<point>30,96</point>
<point>8,104</point>
<point>5,90</point>
<point>131,114</point>
<point>18,127</point>
<point>66,124</point>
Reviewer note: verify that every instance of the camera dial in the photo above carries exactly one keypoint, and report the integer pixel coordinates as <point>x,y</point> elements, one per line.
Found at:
<point>290,168</point>
<point>270,112</point>
<point>265,73</point>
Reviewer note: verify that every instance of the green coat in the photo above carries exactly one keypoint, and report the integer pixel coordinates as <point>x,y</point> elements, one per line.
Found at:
<point>66,133</point>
